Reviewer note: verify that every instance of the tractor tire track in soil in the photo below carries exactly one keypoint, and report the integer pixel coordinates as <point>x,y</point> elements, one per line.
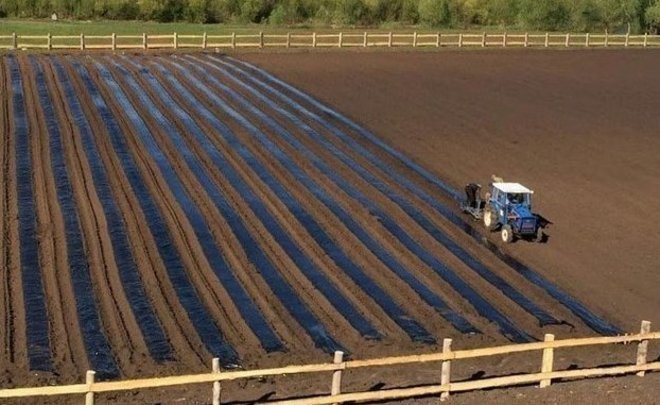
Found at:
<point>181,207</point>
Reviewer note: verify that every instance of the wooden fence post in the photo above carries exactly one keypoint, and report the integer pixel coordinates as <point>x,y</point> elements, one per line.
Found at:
<point>504,40</point>
<point>14,40</point>
<point>460,40</point>
<point>261,39</point>
<point>365,40</point>
<point>586,40</point>
<point>336,375</point>
<point>340,40</point>
<point>175,40</point>
<point>483,39</point>
<point>607,38</point>
<point>288,40</point>
<point>526,40</point>
<point>89,381</point>
<point>82,41</point>
<point>627,39</point>
<point>144,40</point>
<point>204,40</point>
<point>50,41</point>
<point>114,41</point>
<point>233,40</point>
<point>415,39</point>
<point>646,37</point>
<point>568,39</point>
<point>437,39</point>
<point>314,40</point>
<point>445,373</point>
<point>547,39</point>
<point>643,346</point>
<point>548,358</point>
<point>217,389</point>
<point>389,40</point>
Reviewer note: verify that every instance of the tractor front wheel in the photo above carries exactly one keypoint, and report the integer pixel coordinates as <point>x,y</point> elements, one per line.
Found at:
<point>506,233</point>
<point>490,221</point>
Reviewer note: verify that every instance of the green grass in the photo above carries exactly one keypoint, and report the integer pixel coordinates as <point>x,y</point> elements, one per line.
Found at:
<point>43,27</point>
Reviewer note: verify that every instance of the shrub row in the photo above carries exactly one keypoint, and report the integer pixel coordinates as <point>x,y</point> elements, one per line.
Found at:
<point>576,15</point>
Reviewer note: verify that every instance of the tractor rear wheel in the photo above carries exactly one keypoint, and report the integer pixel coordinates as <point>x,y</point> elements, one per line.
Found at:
<point>507,233</point>
<point>490,221</point>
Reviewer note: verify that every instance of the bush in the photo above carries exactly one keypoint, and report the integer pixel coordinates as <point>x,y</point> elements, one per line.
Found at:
<point>501,12</point>
<point>352,12</point>
<point>435,12</point>
<point>652,16</point>
<point>255,11</point>
<point>546,15</point>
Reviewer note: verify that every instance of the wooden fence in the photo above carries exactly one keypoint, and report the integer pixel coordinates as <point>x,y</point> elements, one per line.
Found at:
<point>446,357</point>
<point>314,40</point>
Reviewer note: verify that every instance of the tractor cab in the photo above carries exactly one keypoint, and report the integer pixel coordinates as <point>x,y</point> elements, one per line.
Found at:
<point>514,197</point>
<point>509,207</point>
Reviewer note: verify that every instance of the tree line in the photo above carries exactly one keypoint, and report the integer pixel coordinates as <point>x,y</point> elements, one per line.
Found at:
<point>575,15</point>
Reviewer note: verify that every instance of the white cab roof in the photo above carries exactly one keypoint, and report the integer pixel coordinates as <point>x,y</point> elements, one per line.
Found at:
<point>512,188</point>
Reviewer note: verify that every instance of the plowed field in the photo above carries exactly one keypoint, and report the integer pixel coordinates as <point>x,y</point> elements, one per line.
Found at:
<point>160,210</point>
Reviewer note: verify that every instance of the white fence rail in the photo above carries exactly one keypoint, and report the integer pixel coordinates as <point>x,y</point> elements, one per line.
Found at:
<point>548,372</point>
<point>335,40</point>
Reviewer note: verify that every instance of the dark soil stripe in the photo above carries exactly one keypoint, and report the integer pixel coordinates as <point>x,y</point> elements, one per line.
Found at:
<point>96,343</point>
<point>411,327</point>
<point>198,314</point>
<point>520,299</point>
<point>593,321</point>
<point>284,292</point>
<point>481,305</point>
<point>152,331</point>
<point>242,300</point>
<point>307,266</point>
<point>36,314</point>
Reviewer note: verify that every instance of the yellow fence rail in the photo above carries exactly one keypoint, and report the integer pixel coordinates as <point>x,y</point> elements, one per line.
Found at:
<point>446,357</point>
<point>337,40</point>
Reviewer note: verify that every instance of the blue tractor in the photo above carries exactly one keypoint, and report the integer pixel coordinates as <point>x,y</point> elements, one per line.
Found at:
<point>507,208</point>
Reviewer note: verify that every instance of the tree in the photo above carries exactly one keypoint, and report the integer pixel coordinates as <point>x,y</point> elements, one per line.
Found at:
<point>435,12</point>
<point>499,12</point>
<point>652,16</point>
<point>351,12</point>
<point>255,11</point>
<point>547,15</point>
<point>616,13</point>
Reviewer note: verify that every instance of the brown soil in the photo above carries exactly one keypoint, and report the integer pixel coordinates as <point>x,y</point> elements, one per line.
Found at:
<point>578,127</point>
